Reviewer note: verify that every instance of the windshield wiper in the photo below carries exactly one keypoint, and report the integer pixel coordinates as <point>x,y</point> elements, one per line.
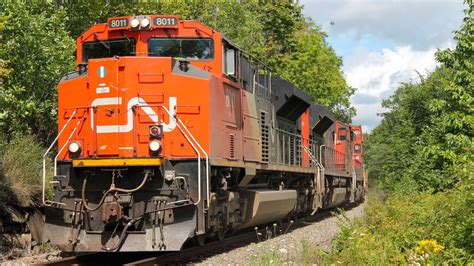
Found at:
<point>101,41</point>
<point>125,36</point>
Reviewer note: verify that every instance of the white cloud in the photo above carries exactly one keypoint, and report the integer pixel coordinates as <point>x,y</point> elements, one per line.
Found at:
<point>367,116</point>
<point>377,74</point>
<point>418,23</point>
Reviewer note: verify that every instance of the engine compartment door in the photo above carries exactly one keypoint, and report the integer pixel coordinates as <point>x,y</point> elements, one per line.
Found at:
<point>104,95</point>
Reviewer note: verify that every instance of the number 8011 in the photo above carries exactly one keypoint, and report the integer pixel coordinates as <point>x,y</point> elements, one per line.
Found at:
<point>161,21</point>
<point>118,23</point>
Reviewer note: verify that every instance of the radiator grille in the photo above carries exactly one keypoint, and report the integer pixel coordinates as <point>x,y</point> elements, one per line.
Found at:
<point>264,129</point>
<point>232,146</point>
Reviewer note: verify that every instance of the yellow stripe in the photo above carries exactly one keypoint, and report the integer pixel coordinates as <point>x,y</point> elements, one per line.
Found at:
<point>116,162</point>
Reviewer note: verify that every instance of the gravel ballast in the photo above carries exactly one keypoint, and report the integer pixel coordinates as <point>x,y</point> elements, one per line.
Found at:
<point>317,235</point>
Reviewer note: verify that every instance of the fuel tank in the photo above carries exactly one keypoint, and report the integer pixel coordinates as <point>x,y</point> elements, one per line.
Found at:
<point>265,205</point>
<point>339,195</point>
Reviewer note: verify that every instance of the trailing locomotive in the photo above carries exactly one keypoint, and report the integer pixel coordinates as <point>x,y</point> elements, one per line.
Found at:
<point>169,132</point>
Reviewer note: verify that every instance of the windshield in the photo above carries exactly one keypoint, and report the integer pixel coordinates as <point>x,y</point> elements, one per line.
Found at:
<point>194,49</point>
<point>108,48</point>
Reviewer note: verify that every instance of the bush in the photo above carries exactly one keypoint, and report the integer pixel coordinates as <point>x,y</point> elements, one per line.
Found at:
<point>419,228</point>
<point>21,169</point>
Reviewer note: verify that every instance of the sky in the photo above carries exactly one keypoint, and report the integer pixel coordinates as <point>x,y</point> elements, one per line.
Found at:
<point>384,43</point>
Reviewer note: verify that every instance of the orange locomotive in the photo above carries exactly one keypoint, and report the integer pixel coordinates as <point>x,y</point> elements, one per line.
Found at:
<point>169,132</point>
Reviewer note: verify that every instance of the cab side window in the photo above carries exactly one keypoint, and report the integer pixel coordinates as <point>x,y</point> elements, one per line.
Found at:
<point>342,133</point>
<point>353,135</point>
<point>246,73</point>
<point>229,64</point>
<point>357,148</point>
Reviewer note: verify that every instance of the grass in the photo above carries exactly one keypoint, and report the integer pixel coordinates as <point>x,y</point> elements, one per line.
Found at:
<point>307,253</point>
<point>268,258</point>
<point>418,228</point>
<point>414,229</point>
<point>20,171</point>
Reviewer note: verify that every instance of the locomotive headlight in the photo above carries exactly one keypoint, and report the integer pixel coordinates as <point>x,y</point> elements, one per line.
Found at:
<point>134,23</point>
<point>74,147</point>
<point>144,23</point>
<point>155,145</point>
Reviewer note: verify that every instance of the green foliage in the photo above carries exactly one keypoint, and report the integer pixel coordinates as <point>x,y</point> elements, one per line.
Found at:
<point>20,170</point>
<point>37,51</point>
<point>314,66</point>
<point>403,146</point>
<point>281,22</point>
<point>420,228</point>
<point>408,229</point>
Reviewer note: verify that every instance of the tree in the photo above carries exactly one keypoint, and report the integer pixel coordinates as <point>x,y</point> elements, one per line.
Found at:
<point>37,55</point>
<point>457,108</point>
<point>315,67</point>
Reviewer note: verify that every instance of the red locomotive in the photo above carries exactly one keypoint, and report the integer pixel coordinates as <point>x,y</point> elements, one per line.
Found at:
<point>169,132</point>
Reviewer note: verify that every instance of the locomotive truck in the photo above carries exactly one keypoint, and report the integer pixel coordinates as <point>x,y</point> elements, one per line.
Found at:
<point>168,132</point>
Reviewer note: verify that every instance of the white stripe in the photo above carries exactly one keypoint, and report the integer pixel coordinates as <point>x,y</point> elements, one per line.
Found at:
<point>129,126</point>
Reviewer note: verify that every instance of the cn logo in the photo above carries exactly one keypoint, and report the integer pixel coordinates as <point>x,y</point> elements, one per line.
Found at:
<point>136,101</point>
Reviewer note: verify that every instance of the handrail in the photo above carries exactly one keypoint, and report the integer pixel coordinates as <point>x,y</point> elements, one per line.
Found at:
<point>321,151</point>
<point>320,174</point>
<point>62,148</point>
<point>311,156</point>
<point>335,160</point>
<point>46,153</point>
<point>208,195</point>
<point>181,125</point>
<point>290,148</point>
<point>289,133</point>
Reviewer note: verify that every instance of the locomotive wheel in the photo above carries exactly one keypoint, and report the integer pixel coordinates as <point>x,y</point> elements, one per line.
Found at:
<point>199,240</point>
<point>221,234</point>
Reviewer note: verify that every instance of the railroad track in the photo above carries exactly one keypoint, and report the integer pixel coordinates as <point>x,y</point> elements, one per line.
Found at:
<point>102,258</point>
<point>192,254</point>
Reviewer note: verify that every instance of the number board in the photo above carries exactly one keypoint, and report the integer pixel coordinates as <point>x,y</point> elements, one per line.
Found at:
<point>165,22</point>
<point>118,23</point>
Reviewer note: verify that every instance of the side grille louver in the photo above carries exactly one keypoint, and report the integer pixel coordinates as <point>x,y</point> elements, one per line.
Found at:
<point>265,133</point>
<point>232,146</point>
